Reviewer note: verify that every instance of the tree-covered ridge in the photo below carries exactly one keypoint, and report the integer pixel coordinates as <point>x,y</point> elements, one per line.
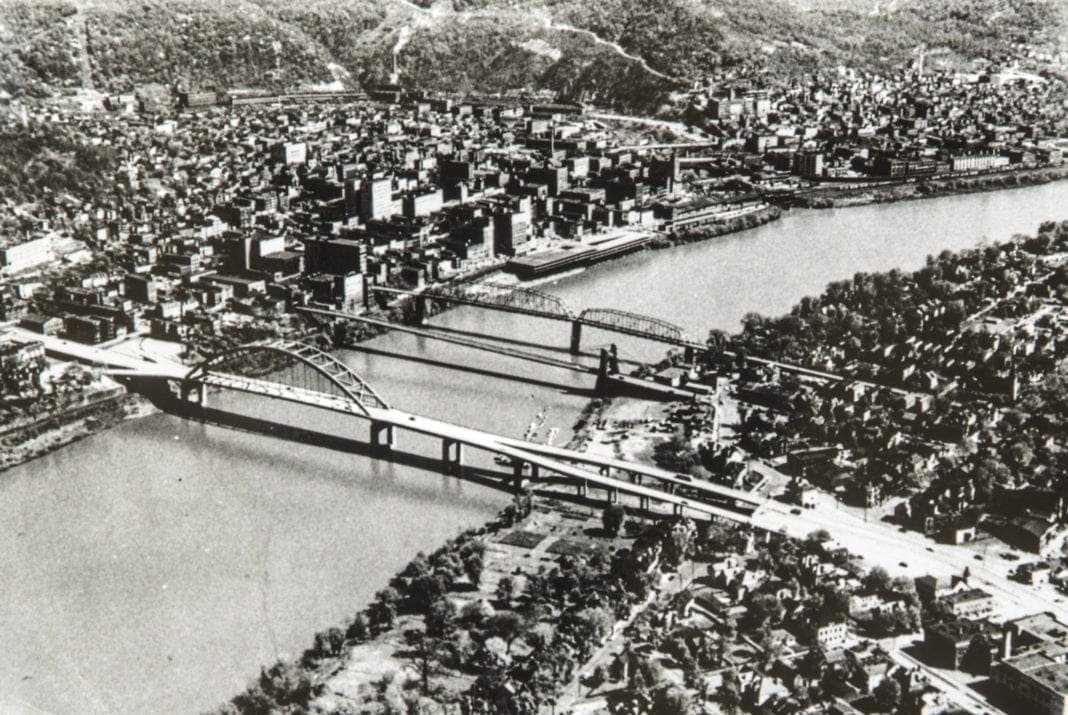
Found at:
<point>619,52</point>
<point>43,159</point>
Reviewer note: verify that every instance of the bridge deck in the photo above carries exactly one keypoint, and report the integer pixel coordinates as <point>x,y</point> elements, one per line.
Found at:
<point>119,363</point>
<point>517,450</point>
<point>637,468</point>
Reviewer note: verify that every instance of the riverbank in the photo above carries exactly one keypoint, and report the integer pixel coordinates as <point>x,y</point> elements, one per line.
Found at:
<point>926,189</point>
<point>51,432</point>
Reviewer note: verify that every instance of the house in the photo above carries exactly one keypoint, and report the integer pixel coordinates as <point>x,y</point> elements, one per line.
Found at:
<point>832,635</point>
<point>865,602</point>
<point>972,603</point>
<point>1034,574</point>
<point>947,642</point>
<point>870,664</point>
<point>931,588</point>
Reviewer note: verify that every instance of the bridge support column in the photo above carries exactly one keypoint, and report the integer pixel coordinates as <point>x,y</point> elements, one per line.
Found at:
<point>604,470</point>
<point>452,454</point>
<point>576,337</point>
<point>535,471</point>
<point>420,310</point>
<point>195,393</point>
<point>517,475</point>
<point>676,509</point>
<point>643,502</point>
<point>582,488</point>
<point>613,495</point>
<point>688,354</point>
<point>380,429</point>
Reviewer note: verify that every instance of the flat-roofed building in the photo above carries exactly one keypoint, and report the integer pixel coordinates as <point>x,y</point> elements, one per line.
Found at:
<point>25,255</point>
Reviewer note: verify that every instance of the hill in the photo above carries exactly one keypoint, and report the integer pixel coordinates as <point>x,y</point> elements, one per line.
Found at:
<point>630,53</point>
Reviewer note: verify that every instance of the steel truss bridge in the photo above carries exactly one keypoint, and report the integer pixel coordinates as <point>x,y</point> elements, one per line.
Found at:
<point>302,374</point>
<point>527,301</point>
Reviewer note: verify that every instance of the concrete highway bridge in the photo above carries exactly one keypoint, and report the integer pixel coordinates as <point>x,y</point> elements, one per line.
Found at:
<point>300,373</point>
<point>535,303</point>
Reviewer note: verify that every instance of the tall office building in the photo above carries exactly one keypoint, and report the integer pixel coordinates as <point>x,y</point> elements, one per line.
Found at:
<point>376,199</point>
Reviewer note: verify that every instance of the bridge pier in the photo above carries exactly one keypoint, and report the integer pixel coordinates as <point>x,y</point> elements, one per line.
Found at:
<point>576,337</point>
<point>676,509</point>
<point>378,429</point>
<point>643,502</point>
<point>517,475</point>
<point>420,309</point>
<point>582,488</point>
<point>613,495</point>
<point>194,393</point>
<point>452,454</point>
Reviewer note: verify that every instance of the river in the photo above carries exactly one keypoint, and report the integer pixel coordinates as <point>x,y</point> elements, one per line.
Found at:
<point>156,566</point>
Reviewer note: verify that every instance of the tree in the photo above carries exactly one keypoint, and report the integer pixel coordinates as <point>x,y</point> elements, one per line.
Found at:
<point>729,692</point>
<point>977,658</point>
<point>813,662</point>
<point>834,604</point>
<point>473,567</point>
<point>425,589</point>
<point>507,626</point>
<point>286,684</point>
<point>770,649</point>
<point>763,607</point>
<point>612,518</point>
<point>818,536</point>
<point>506,590</point>
<point>672,700</point>
<point>383,612</point>
<point>878,580</point>
<point>441,618</point>
<point>425,660</point>
<point>357,630</point>
<point>888,694</point>
<point>330,642</point>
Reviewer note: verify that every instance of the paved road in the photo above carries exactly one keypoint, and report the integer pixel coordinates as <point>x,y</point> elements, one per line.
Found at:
<point>907,554</point>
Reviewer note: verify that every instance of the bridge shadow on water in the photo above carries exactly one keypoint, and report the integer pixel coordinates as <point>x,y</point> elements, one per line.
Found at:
<point>590,392</point>
<point>497,479</point>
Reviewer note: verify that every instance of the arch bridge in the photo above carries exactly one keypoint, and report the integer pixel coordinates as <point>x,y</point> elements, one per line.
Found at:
<point>301,373</point>
<point>292,371</point>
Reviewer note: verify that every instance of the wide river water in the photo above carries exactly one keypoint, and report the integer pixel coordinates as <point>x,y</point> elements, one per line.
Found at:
<point>156,566</point>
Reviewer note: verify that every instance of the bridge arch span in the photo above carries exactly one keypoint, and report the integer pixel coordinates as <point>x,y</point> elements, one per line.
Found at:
<point>503,297</point>
<point>329,371</point>
<point>643,326</point>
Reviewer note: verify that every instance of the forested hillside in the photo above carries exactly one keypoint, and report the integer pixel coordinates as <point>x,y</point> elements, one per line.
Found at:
<point>630,53</point>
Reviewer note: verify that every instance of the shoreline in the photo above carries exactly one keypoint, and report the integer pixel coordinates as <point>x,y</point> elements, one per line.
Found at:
<point>911,191</point>
<point>74,425</point>
<point>74,429</point>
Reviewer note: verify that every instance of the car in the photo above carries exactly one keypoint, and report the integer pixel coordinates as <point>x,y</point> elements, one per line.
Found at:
<point>795,511</point>
<point>978,557</point>
<point>902,564</point>
<point>929,549</point>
